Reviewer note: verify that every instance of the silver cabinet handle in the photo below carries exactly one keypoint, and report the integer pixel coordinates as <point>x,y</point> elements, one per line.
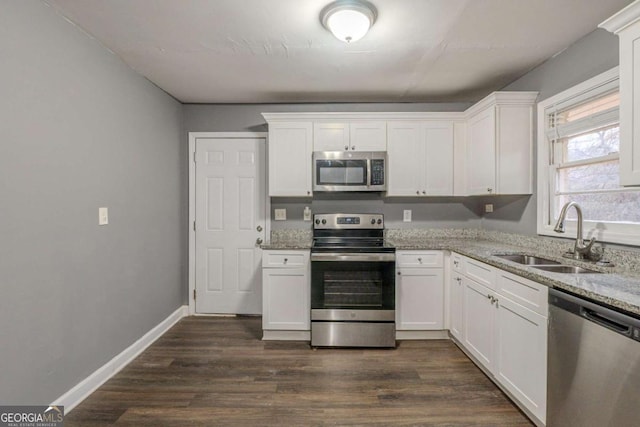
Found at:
<point>346,147</point>
<point>286,260</point>
<point>308,193</point>
<point>489,190</point>
<point>418,192</point>
<point>399,274</point>
<point>258,241</point>
<point>353,147</point>
<point>455,263</point>
<point>458,279</point>
<point>424,192</point>
<point>420,260</point>
<point>259,228</point>
<point>489,296</point>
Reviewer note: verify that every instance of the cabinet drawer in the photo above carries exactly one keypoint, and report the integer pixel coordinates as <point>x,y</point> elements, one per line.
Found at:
<point>480,272</point>
<point>456,263</point>
<point>285,259</point>
<point>420,259</point>
<point>525,292</point>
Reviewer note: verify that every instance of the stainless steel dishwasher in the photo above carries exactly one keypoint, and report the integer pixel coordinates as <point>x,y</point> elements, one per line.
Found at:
<point>594,364</point>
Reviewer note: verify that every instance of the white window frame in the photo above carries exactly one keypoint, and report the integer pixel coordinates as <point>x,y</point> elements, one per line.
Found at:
<point>628,234</point>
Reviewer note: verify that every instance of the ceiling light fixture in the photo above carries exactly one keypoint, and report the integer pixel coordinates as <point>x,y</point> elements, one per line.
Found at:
<point>348,20</point>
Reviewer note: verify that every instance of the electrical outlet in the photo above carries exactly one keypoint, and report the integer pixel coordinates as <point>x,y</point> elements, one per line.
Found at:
<point>281,215</point>
<point>488,208</point>
<point>103,216</point>
<point>306,214</point>
<point>406,217</point>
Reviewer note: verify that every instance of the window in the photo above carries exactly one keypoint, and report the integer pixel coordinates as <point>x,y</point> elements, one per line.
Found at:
<point>578,160</point>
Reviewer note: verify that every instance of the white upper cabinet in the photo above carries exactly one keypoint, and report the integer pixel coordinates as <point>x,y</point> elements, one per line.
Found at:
<point>364,135</point>
<point>368,135</point>
<point>500,144</point>
<point>626,24</point>
<point>420,158</point>
<point>290,148</point>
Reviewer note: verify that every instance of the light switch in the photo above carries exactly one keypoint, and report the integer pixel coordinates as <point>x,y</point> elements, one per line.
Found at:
<point>488,208</point>
<point>281,214</point>
<point>406,217</point>
<point>306,214</point>
<point>103,216</point>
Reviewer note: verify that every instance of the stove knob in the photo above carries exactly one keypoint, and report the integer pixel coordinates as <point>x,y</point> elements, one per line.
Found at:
<point>373,221</point>
<point>324,221</point>
<point>379,221</point>
<point>317,221</point>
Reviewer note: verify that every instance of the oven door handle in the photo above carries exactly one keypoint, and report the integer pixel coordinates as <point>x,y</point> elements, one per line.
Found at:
<point>370,257</point>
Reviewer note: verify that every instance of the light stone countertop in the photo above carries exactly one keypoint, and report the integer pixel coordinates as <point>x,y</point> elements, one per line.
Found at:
<point>618,287</point>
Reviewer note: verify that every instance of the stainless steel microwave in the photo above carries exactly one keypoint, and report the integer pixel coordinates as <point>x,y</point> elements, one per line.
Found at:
<point>349,171</point>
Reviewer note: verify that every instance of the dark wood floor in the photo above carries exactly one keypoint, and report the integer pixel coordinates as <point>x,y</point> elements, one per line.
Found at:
<point>216,372</point>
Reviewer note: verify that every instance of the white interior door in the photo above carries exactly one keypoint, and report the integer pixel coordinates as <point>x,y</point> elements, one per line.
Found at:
<point>230,218</point>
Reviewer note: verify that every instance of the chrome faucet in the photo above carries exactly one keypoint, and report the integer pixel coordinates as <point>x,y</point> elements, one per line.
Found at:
<point>580,250</point>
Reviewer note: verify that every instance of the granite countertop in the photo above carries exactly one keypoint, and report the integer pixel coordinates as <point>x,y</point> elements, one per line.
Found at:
<point>618,287</point>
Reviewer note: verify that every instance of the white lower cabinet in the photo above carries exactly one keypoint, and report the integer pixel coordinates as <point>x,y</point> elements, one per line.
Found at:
<point>479,321</point>
<point>420,291</point>
<point>286,291</point>
<point>521,355</point>
<point>456,299</point>
<point>504,329</point>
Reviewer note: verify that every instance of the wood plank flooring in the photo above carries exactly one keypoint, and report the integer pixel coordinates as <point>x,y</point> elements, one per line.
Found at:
<point>209,371</point>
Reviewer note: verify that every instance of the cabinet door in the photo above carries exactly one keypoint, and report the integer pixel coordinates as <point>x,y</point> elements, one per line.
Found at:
<point>479,322</point>
<point>514,149</point>
<point>406,167</point>
<point>456,308</point>
<point>437,138</point>
<point>481,153</point>
<point>521,358</point>
<point>290,149</point>
<point>286,299</point>
<point>630,105</point>
<point>420,299</point>
<point>331,136</point>
<point>368,136</point>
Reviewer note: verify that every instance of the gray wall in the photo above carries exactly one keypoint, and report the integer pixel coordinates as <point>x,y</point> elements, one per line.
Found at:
<point>436,212</point>
<point>593,54</point>
<point>80,130</point>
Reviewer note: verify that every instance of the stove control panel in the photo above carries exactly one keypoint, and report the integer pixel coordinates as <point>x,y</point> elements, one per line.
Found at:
<point>348,221</point>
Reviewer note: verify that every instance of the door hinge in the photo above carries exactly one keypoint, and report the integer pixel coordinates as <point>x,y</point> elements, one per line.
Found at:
<point>194,226</point>
<point>194,294</point>
<point>194,157</point>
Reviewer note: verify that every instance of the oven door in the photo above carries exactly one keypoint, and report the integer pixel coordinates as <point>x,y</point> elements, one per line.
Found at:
<point>353,287</point>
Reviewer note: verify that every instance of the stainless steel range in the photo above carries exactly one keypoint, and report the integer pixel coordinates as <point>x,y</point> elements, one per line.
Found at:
<point>352,282</point>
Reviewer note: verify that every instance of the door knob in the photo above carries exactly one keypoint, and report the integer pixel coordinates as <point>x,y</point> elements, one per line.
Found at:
<point>258,241</point>
<point>259,228</point>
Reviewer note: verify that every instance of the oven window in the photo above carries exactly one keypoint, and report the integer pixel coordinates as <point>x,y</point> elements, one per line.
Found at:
<point>341,172</point>
<point>353,285</point>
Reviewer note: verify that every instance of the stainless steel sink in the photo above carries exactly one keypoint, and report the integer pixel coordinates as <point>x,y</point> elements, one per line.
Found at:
<point>528,259</point>
<point>567,269</point>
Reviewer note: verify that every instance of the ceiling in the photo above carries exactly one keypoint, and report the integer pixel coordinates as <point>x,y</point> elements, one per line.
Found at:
<point>276,51</point>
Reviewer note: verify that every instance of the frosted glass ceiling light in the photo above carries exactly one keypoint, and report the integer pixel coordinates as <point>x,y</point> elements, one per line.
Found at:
<point>348,20</point>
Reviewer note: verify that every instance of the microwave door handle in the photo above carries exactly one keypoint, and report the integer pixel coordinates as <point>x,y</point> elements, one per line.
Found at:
<point>368,172</point>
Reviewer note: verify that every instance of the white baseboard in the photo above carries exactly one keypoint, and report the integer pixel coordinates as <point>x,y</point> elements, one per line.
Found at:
<point>271,335</point>
<point>422,335</point>
<point>84,388</point>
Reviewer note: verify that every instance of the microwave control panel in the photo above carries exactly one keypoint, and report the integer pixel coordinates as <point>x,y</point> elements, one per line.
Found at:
<point>377,172</point>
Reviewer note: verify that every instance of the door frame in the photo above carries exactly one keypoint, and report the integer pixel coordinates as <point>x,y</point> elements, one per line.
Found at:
<point>193,136</point>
